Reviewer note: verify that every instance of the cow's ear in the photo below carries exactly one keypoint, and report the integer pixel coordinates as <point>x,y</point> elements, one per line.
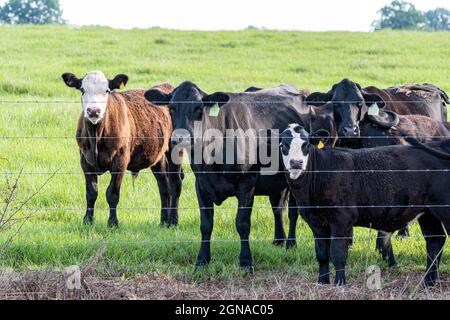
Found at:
<point>72,81</point>
<point>320,138</point>
<point>253,89</point>
<point>318,99</point>
<point>158,97</point>
<point>372,99</point>
<point>219,98</point>
<point>119,82</point>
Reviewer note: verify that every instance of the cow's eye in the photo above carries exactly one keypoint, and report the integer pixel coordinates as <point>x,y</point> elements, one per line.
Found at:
<point>305,148</point>
<point>284,149</point>
<point>198,110</point>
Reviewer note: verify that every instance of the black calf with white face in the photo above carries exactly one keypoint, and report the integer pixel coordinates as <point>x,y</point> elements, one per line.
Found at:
<point>350,103</point>
<point>295,150</point>
<point>296,145</point>
<point>95,89</point>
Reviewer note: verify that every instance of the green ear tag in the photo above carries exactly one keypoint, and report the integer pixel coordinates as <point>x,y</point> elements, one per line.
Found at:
<point>214,111</point>
<point>374,110</point>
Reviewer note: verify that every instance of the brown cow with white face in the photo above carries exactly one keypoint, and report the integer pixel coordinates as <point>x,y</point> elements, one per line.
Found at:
<point>119,132</point>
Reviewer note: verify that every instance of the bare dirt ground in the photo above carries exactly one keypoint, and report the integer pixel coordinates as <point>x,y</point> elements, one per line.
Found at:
<point>32,285</point>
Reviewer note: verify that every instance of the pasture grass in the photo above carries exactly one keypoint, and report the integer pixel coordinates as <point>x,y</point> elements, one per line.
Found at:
<point>38,137</point>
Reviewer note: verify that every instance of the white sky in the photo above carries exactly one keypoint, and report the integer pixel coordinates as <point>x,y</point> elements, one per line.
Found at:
<point>308,15</point>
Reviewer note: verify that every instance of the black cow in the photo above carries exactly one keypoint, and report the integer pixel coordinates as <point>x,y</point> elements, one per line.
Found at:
<point>351,103</point>
<point>368,188</point>
<point>314,118</point>
<point>384,130</point>
<point>261,110</point>
<point>356,111</point>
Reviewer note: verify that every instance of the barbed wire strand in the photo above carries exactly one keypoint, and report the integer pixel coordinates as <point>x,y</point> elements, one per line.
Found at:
<point>215,137</point>
<point>262,172</point>
<point>197,102</point>
<point>254,208</point>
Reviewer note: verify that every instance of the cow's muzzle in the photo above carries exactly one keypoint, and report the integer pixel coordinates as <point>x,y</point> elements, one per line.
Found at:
<point>349,132</point>
<point>296,164</point>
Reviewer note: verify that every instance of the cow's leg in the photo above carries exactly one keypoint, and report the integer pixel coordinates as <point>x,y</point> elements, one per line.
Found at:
<point>322,238</point>
<point>119,167</point>
<point>206,227</point>
<point>159,171</point>
<point>176,177</point>
<point>243,225</point>
<point>278,203</point>
<point>91,190</point>
<point>341,234</point>
<point>293,219</point>
<point>384,246</point>
<point>435,237</point>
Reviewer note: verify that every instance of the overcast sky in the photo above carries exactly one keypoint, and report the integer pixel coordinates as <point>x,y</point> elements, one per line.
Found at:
<point>308,15</point>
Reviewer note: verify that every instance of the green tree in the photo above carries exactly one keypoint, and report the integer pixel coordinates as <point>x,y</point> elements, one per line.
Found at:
<point>31,12</point>
<point>438,19</point>
<point>400,15</point>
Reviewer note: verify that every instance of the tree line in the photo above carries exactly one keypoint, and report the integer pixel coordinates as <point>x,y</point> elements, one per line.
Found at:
<point>401,15</point>
<point>398,15</point>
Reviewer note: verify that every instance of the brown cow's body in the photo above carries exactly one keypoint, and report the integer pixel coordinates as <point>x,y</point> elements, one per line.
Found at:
<point>427,100</point>
<point>132,127</point>
<point>424,129</point>
<point>134,135</point>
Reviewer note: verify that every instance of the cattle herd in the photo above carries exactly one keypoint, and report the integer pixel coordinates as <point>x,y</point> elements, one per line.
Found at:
<point>351,157</point>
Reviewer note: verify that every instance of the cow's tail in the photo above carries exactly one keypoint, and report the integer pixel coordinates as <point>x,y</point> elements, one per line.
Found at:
<point>134,175</point>
<point>435,152</point>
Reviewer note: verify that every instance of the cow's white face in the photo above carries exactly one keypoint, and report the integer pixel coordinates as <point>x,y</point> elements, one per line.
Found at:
<point>95,89</point>
<point>294,148</point>
<point>94,96</point>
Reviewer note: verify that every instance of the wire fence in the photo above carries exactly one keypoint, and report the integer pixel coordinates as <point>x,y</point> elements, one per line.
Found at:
<point>39,102</point>
<point>367,239</point>
<point>423,137</point>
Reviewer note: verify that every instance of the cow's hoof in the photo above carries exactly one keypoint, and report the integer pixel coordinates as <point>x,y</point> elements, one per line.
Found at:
<point>393,266</point>
<point>340,282</point>
<point>88,221</point>
<point>113,224</point>
<point>168,225</point>
<point>291,244</point>
<point>202,264</point>
<point>278,242</point>
<point>248,270</point>
<point>430,282</point>
<point>392,263</point>
<point>325,280</point>
<point>172,224</point>
<point>200,268</point>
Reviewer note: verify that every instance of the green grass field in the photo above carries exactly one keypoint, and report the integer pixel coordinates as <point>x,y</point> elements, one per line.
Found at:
<point>32,60</point>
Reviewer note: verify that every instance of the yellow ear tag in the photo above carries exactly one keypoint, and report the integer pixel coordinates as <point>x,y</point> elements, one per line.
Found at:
<point>374,110</point>
<point>122,86</point>
<point>214,111</point>
<point>321,145</point>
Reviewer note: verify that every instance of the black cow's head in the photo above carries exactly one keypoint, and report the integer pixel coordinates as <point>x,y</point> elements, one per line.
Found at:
<point>187,104</point>
<point>350,103</point>
<point>95,89</point>
<point>296,144</point>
